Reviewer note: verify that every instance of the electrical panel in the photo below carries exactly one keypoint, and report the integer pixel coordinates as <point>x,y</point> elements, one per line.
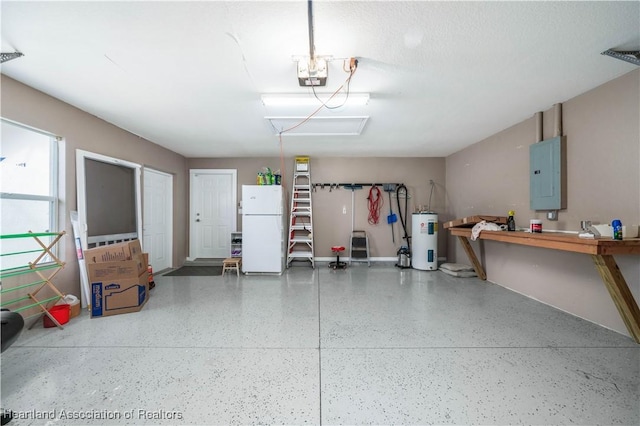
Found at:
<point>547,189</point>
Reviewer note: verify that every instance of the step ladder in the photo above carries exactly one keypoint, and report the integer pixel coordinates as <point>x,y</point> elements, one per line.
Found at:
<point>300,247</point>
<point>359,247</point>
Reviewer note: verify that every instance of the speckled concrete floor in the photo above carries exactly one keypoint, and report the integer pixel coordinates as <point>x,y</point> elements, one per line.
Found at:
<point>367,345</point>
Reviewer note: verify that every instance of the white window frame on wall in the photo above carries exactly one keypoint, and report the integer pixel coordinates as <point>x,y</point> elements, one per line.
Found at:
<point>52,198</point>
<point>87,242</point>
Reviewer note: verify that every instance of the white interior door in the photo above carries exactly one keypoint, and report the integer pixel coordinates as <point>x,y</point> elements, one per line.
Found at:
<point>157,227</point>
<point>213,212</point>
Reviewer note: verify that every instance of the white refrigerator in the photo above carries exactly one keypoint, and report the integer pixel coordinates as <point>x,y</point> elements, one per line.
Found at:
<point>263,236</point>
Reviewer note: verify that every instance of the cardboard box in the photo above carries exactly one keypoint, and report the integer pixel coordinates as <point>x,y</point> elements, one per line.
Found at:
<point>124,268</point>
<point>115,270</point>
<point>75,310</point>
<point>118,278</point>
<point>127,250</point>
<point>118,295</point>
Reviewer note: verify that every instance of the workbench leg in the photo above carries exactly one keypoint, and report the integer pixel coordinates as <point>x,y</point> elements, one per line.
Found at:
<point>472,257</point>
<point>620,293</point>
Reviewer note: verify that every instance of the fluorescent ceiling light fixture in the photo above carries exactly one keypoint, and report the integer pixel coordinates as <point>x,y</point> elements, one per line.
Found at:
<point>294,99</point>
<point>318,126</point>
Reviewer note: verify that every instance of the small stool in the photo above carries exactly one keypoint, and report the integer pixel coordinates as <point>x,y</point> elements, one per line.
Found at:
<point>230,264</point>
<point>337,264</point>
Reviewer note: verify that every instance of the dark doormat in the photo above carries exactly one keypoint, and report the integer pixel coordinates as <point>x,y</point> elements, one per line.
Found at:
<point>195,271</point>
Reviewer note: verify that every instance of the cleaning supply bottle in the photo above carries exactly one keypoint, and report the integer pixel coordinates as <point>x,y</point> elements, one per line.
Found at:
<point>617,229</point>
<point>511,222</point>
<point>268,177</point>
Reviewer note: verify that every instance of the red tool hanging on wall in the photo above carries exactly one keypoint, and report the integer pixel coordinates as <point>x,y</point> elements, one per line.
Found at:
<point>375,204</point>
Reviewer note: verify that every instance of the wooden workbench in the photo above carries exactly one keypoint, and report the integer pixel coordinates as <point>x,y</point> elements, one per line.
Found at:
<point>601,251</point>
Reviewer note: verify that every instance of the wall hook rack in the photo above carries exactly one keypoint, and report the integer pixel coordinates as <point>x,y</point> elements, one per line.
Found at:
<point>350,185</point>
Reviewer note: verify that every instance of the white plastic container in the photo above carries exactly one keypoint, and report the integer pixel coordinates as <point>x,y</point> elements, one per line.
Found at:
<point>603,230</point>
<point>629,231</point>
<point>424,241</point>
<point>535,226</point>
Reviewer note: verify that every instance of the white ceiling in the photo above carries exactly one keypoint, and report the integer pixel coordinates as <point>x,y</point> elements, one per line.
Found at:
<point>442,75</point>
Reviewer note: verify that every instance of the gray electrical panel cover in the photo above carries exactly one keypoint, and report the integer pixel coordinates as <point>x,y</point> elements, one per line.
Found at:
<point>546,174</point>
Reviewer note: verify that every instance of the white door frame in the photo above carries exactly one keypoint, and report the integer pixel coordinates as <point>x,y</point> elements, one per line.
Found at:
<point>168,212</point>
<point>192,218</point>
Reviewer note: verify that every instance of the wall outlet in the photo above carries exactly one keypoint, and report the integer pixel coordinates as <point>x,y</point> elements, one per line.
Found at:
<point>344,209</point>
<point>552,215</point>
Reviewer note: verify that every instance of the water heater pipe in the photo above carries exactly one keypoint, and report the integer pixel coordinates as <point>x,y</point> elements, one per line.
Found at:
<point>538,126</point>
<point>557,123</point>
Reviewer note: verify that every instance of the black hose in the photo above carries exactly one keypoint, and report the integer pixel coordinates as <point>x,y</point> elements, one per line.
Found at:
<point>403,218</point>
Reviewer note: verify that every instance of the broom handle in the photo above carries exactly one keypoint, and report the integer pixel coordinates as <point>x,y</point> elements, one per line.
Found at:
<point>393,235</point>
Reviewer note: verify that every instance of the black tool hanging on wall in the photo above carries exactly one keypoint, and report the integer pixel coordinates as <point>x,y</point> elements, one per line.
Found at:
<point>401,192</point>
